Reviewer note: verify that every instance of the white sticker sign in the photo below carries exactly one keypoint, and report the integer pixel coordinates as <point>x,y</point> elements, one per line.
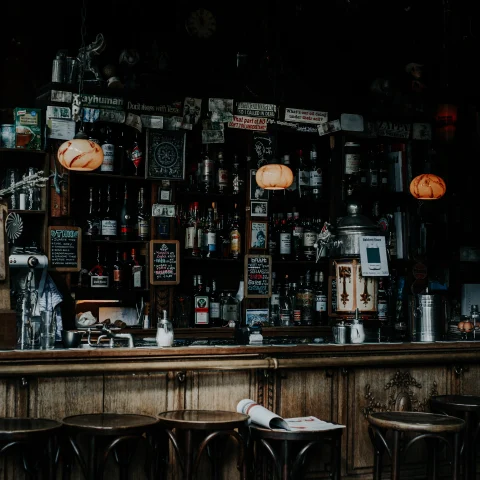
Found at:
<point>305,116</point>
<point>61,129</point>
<point>248,123</point>
<point>256,109</point>
<point>373,256</point>
<point>151,121</point>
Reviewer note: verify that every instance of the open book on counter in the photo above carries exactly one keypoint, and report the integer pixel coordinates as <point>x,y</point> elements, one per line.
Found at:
<point>267,419</point>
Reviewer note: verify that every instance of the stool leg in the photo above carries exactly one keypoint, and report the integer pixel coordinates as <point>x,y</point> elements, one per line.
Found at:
<point>92,459</point>
<point>395,475</point>
<point>285,460</point>
<point>432,447</point>
<point>188,455</point>
<point>456,456</point>
<point>468,448</point>
<point>337,456</point>
<point>376,435</point>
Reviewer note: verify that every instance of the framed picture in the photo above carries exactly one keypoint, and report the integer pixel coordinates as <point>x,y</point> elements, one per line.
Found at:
<point>256,316</point>
<point>258,234</point>
<point>165,154</point>
<point>258,209</point>
<point>256,192</point>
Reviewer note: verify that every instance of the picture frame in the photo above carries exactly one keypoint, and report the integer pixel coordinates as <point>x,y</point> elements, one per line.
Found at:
<point>256,316</point>
<point>165,154</point>
<point>256,192</point>
<point>258,208</point>
<point>258,235</point>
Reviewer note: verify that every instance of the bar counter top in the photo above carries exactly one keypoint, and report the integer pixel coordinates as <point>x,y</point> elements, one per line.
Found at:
<point>90,360</point>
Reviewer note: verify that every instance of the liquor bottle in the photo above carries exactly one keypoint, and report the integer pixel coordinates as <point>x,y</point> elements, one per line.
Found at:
<point>272,236</point>
<point>382,301</point>
<point>286,314</point>
<point>316,175</point>
<point>297,311</point>
<point>382,169</point>
<point>207,174</point>
<point>122,162</point>
<point>215,318</point>
<point>136,152</point>
<point>380,219</point>
<point>309,238</point>
<point>127,218</point>
<point>189,231</point>
<point>285,240</point>
<point>222,174</point>
<point>372,170</point>
<point>303,176</point>
<point>99,275</point>
<point>108,147</point>
<point>290,193</point>
<point>307,296</point>
<point>143,217</point>
<point>392,237</point>
<point>201,305</point>
<point>94,133</point>
<point>321,313</point>
<point>297,237</point>
<point>92,223</point>
<point>363,175</point>
<point>109,219</point>
<point>230,310</point>
<point>238,182</point>
<point>274,303</point>
<point>136,271</point>
<point>196,231</point>
<point>118,272</point>
<point>235,237</point>
<point>211,234</point>
<point>223,238</point>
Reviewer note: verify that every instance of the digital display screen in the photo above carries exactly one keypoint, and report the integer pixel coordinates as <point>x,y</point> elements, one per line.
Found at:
<point>373,255</point>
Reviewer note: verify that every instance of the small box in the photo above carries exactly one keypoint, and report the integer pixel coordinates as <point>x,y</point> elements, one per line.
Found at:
<point>28,128</point>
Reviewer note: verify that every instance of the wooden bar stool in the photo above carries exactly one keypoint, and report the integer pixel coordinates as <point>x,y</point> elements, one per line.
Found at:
<point>36,439</point>
<point>432,428</point>
<point>214,424</point>
<point>466,407</point>
<point>107,433</point>
<point>286,467</point>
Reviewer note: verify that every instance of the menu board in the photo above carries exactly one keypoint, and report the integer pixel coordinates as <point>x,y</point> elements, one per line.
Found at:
<point>164,262</point>
<point>258,275</point>
<point>64,248</point>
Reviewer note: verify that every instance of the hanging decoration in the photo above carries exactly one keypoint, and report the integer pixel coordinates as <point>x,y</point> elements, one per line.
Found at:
<point>274,176</point>
<point>428,186</point>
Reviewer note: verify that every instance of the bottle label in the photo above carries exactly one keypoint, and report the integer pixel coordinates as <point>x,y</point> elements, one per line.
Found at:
<point>303,178</point>
<point>143,228</point>
<point>137,276</point>
<point>230,312</point>
<point>199,238</point>
<point>222,177</point>
<point>235,242</point>
<point>384,180</point>
<point>108,157</point>
<point>165,195</point>
<point>373,179</point>
<point>272,247</point>
<point>214,310</point>
<point>202,310</point>
<point>126,230</point>
<point>99,281</point>
<point>285,243</point>
<point>382,310</point>
<point>212,241</point>
<point>352,163</point>
<point>309,239</point>
<point>207,167</point>
<point>321,303</point>
<point>117,276</point>
<point>298,231</point>
<point>275,299</point>
<point>189,234</point>
<point>109,228</point>
<point>316,177</point>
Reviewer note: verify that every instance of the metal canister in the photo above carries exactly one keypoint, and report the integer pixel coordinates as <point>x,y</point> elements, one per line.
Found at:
<point>7,139</point>
<point>426,315</point>
<point>58,69</point>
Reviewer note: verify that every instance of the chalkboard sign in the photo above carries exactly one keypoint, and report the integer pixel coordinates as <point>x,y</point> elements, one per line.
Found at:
<point>164,262</point>
<point>258,275</point>
<point>65,249</point>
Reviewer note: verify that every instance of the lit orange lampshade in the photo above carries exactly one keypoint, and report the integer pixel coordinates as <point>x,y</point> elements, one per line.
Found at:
<point>274,176</point>
<point>428,187</point>
<point>80,154</point>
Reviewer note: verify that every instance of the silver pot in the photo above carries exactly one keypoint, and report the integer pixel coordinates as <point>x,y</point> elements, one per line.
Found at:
<point>349,229</point>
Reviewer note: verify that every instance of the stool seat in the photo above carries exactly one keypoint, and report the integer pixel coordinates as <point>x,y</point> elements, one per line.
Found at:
<point>110,433</point>
<point>35,437</point>
<point>416,422</point>
<point>216,424</point>
<point>466,407</point>
<point>287,467</point>
<point>109,423</point>
<point>433,429</point>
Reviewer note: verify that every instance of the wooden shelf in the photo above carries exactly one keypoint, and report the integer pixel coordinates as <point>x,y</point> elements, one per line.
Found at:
<point>112,176</point>
<point>22,150</point>
<point>124,296</point>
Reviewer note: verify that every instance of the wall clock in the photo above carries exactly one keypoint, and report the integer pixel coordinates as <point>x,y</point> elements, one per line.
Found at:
<point>201,23</point>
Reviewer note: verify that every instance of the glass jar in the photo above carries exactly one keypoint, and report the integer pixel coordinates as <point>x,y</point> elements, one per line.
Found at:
<point>229,310</point>
<point>164,336</point>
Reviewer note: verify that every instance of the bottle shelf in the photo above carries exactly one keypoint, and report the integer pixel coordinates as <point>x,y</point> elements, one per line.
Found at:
<point>116,241</point>
<point>124,296</point>
<point>28,212</point>
<point>300,262</point>
<point>238,196</point>
<point>207,259</point>
<point>113,176</point>
<point>22,150</point>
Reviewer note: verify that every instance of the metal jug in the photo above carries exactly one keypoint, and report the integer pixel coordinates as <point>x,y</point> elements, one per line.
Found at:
<point>427,319</point>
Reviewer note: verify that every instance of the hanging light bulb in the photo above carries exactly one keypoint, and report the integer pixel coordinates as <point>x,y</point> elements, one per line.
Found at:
<point>80,153</point>
<point>428,186</point>
<point>274,176</point>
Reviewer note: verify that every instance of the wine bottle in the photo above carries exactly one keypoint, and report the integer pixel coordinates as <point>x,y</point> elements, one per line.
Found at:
<point>143,217</point>
<point>108,147</point>
<point>109,219</point>
<point>99,276</point>
<point>92,223</point>
<point>127,218</point>
<point>118,272</point>
<point>136,271</point>
<point>201,305</point>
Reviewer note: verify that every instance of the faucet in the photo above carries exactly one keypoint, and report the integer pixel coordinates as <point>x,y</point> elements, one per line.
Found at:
<point>107,333</point>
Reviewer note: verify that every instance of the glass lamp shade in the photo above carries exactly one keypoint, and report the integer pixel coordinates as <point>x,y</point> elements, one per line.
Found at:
<point>274,176</point>
<point>80,154</point>
<point>428,187</point>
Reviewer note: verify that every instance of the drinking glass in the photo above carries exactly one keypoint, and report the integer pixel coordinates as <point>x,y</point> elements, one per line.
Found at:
<point>47,330</point>
<point>183,310</point>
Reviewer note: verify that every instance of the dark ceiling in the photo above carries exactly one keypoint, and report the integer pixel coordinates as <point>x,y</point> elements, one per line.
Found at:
<point>314,49</point>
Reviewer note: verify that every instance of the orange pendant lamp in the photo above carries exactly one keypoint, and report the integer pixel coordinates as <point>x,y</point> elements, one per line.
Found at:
<point>428,186</point>
<point>80,153</point>
<point>274,176</point>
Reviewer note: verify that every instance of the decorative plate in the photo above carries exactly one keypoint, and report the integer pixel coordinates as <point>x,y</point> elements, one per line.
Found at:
<point>14,226</point>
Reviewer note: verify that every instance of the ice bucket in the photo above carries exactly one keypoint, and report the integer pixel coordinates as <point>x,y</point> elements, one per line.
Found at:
<point>426,317</point>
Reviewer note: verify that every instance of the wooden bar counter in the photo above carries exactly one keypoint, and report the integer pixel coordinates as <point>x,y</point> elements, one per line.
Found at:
<point>340,383</point>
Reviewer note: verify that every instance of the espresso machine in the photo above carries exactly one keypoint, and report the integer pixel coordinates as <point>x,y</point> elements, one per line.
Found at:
<point>28,269</point>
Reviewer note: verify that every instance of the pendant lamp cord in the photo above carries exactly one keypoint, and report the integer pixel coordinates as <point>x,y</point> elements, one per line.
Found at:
<point>83,34</point>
